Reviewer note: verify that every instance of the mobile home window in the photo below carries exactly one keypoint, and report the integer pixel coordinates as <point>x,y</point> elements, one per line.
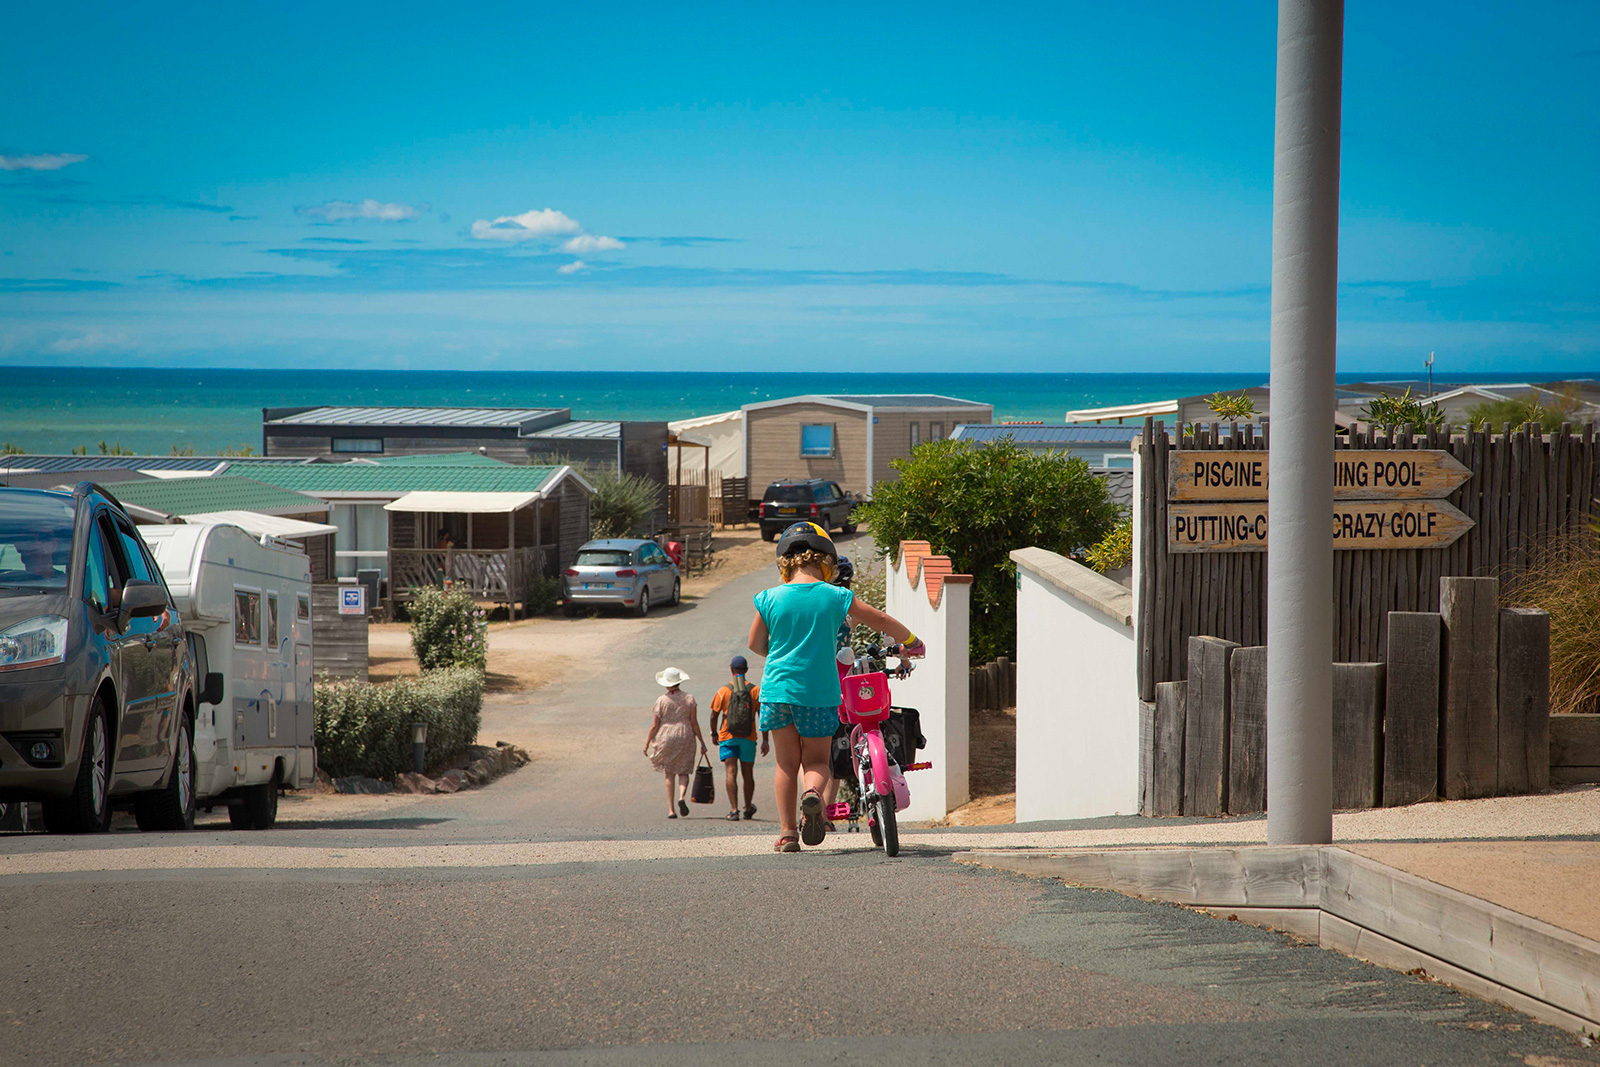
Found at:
<point>302,606</point>
<point>246,617</point>
<point>916,434</point>
<point>272,620</point>
<point>936,431</point>
<point>816,439</point>
<point>357,444</point>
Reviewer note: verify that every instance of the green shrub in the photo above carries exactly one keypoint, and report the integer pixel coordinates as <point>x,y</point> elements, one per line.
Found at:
<point>1493,414</point>
<point>1405,411</point>
<point>869,589</point>
<point>977,504</point>
<point>543,594</point>
<point>448,630</point>
<point>366,729</point>
<point>622,504</point>
<point>1114,551</point>
<point>1232,407</point>
<point>1565,581</point>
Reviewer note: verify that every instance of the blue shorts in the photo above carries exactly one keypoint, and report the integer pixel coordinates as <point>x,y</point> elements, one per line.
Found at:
<point>740,748</point>
<point>810,722</point>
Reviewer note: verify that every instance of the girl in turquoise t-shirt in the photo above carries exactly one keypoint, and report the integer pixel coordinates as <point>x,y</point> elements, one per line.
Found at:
<point>796,628</point>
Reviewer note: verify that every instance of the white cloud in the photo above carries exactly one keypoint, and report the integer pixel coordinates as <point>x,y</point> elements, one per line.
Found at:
<point>545,224</point>
<point>572,268</point>
<point>588,242</point>
<point>45,161</point>
<point>93,341</point>
<point>375,210</point>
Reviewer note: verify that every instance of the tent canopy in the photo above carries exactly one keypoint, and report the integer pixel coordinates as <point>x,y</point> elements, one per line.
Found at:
<point>257,524</point>
<point>438,502</point>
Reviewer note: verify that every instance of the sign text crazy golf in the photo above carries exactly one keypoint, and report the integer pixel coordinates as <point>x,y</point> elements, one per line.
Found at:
<point>1241,526</point>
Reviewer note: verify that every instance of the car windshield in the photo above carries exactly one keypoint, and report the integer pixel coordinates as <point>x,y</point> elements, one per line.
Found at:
<point>35,543</point>
<point>789,494</point>
<point>604,557</point>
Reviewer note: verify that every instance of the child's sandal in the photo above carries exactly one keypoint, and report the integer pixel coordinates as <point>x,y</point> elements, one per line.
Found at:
<point>787,843</point>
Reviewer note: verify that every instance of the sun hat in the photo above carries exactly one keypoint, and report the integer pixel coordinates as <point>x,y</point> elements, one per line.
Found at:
<point>739,665</point>
<point>670,677</point>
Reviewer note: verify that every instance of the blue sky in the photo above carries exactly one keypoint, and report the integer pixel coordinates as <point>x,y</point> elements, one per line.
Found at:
<point>1061,187</point>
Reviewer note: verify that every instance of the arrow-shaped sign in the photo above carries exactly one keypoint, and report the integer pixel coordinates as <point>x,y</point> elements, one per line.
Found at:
<point>1380,474</point>
<point>1241,526</point>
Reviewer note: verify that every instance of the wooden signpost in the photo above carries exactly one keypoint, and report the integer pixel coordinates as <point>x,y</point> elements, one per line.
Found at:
<point>1392,499</point>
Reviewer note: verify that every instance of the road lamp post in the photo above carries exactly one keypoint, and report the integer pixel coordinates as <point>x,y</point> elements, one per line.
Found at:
<point>1305,268</point>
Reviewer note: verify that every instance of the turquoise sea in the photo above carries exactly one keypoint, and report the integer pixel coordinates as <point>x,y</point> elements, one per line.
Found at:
<point>150,410</point>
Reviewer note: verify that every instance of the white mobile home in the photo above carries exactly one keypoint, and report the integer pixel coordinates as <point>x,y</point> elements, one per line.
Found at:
<point>246,606</point>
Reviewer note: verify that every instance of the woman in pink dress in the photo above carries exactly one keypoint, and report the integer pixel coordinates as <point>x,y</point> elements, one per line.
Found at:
<point>673,733</point>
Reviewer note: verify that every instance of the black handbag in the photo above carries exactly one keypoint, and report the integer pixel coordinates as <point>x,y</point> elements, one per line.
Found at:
<point>705,788</point>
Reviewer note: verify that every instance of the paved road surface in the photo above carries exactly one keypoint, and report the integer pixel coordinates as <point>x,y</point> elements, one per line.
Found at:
<point>557,917</point>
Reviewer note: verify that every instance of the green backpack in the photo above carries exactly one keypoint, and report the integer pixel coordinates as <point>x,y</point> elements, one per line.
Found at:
<point>740,714</point>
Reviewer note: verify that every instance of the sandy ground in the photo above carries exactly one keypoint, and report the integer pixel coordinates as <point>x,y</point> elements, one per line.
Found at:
<point>992,767</point>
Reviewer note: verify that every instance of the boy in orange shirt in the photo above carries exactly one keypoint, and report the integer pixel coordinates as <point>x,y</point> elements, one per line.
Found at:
<point>735,710</point>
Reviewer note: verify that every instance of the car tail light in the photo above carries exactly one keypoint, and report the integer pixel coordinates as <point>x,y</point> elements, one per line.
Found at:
<point>814,509</point>
<point>627,572</point>
<point>571,572</point>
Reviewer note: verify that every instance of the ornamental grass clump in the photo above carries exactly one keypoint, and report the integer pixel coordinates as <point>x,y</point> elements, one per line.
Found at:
<point>448,630</point>
<point>366,729</point>
<point>1565,581</point>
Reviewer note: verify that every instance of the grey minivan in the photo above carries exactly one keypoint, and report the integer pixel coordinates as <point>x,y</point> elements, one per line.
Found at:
<point>96,678</point>
<point>621,572</point>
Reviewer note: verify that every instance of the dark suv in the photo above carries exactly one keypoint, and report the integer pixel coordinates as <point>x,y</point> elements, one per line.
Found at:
<point>788,502</point>
<point>96,679</point>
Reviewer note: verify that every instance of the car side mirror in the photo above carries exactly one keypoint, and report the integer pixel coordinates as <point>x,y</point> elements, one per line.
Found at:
<point>141,600</point>
<point>212,693</point>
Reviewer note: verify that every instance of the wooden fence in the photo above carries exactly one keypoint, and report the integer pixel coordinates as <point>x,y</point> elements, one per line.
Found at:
<point>338,642</point>
<point>1526,491</point>
<point>992,686</point>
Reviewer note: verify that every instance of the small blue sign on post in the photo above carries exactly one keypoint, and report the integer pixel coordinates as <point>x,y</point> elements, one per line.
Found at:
<point>352,600</point>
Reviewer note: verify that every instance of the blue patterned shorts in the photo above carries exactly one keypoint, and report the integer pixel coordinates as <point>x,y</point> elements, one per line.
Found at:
<point>811,722</point>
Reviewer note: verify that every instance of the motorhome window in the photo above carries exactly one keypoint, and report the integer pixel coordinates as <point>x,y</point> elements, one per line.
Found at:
<point>246,617</point>
<point>35,543</point>
<point>302,606</point>
<point>816,439</point>
<point>272,620</point>
<point>357,444</point>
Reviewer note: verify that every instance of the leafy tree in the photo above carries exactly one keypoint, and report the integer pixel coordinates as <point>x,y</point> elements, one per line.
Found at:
<point>12,450</point>
<point>1403,410</point>
<point>115,449</point>
<point>186,450</point>
<point>242,450</point>
<point>1232,407</point>
<point>976,504</point>
<point>1114,551</point>
<point>622,504</point>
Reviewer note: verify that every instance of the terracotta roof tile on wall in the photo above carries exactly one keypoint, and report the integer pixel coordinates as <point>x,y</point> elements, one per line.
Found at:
<point>934,572</point>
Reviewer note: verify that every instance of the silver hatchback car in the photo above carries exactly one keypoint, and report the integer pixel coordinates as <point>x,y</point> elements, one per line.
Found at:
<point>620,572</point>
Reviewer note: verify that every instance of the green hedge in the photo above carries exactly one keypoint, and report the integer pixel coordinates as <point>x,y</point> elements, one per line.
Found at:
<point>366,729</point>
<point>448,629</point>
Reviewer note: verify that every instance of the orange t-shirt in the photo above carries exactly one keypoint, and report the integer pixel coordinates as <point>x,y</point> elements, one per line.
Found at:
<point>719,704</point>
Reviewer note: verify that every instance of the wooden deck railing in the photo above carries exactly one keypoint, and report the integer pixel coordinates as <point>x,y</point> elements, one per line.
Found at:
<point>501,576</point>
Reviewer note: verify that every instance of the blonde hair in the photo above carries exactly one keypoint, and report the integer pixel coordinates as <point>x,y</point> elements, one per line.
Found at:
<point>787,565</point>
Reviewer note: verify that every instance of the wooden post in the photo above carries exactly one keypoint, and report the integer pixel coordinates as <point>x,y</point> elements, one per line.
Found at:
<point>1469,742</point>
<point>1205,740</point>
<point>1357,734</point>
<point>1411,708</point>
<point>1147,757</point>
<point>1524,721</point>
<point>1166,769</point>
<point>1247,731</point>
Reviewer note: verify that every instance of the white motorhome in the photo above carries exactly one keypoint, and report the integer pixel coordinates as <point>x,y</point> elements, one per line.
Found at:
<point>246,606</point>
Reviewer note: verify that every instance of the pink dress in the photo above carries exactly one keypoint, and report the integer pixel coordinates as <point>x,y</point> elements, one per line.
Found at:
<point>674,748</point>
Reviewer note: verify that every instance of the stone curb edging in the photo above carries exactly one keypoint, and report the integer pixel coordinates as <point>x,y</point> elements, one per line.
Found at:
<point>1357,906</point>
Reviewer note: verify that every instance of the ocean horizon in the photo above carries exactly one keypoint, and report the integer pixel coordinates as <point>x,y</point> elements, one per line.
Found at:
<point>153,410</point>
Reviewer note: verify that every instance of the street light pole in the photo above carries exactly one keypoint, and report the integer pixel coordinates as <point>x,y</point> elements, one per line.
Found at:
<point>1305,269</point>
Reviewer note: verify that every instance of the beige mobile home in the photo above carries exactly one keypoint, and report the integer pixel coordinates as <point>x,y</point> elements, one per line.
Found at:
<point>850,439</point>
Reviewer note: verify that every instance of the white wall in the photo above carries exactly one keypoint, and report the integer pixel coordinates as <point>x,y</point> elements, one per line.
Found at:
<point>1077,692</point>
<point>938,687</point>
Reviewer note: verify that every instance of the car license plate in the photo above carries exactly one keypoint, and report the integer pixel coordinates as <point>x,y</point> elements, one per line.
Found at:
<point>787,511</point>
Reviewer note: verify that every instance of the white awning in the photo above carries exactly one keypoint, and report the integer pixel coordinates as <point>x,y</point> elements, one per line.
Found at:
<point>253,522</point>
<point>461,503</point>
<point>1123,411</point>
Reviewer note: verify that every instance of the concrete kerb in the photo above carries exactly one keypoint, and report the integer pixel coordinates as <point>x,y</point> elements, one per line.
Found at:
<point>1357,906</point>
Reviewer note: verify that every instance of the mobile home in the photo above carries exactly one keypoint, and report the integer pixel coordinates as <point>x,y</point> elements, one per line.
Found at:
<point>246,606</point>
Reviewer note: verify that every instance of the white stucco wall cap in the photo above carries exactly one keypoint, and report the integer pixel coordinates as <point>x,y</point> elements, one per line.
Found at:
<point>1092,588</point>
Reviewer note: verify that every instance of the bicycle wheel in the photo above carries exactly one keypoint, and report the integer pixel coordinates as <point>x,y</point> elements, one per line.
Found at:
<point>886,823</point>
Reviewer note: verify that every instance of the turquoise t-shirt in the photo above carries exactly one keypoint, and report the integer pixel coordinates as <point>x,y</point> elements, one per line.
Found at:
<point>803,620</point>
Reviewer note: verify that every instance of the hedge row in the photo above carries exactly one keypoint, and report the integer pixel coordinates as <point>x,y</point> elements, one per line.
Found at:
<point>366,729</point>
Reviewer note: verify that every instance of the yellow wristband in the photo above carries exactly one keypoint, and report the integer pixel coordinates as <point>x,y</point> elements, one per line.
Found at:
<point>911,639</point>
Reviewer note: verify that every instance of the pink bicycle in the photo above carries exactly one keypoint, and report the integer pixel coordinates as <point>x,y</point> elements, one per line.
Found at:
<point>881,791</point>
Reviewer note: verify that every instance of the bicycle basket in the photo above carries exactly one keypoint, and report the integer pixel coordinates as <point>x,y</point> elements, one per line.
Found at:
<point>866,698</point>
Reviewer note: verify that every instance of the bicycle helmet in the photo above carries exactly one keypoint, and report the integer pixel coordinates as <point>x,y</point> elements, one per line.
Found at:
<point>846,573</point>
<point>808,536</point>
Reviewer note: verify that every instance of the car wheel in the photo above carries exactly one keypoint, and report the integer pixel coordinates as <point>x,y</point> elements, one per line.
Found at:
<point>848,528</point>
<point>677,592</point>
<point>258,810</point>
<point>570,610</point>
<point>768,535</point>
<point>172,807</point>
<point>88,809</point>
<point>644,602</point>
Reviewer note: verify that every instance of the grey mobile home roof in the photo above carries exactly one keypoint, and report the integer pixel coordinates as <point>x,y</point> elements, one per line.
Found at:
<point>906,400</point>
<point>590,430</point>
<point>50,464</point>
<point>369,416</point>
<point>1047,435</point>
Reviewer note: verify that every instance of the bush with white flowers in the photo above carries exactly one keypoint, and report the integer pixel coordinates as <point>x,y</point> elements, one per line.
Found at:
<point>448,630</point>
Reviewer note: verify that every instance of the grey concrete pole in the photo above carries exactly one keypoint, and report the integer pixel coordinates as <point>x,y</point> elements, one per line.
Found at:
<point>1305,267</point>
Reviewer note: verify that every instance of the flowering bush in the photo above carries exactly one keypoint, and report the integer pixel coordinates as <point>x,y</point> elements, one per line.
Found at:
<point>366,729</point>
<point>448,630</point>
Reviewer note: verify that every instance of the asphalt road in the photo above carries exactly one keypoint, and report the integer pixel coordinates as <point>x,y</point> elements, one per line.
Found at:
<point>610,947</point>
